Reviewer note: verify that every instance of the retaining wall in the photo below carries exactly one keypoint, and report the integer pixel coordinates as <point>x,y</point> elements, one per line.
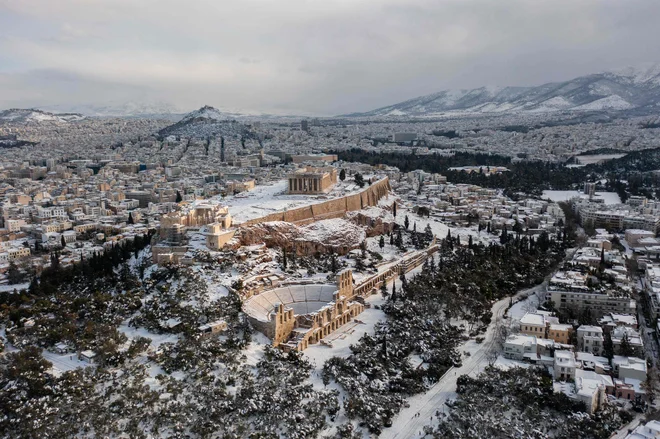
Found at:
<point>335,208</point>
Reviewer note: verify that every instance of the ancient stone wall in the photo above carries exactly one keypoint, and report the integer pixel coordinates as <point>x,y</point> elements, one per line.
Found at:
<point>373,283</point>
<point>335,208</point>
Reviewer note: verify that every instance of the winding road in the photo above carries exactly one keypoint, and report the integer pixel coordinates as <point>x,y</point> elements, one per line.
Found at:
<point>423,407</point>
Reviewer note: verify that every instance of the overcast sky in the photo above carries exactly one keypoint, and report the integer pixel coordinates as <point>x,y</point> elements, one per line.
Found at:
<point>306,56</point>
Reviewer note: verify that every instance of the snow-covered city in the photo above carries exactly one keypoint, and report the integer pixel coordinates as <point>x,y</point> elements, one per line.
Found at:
<point>321,254</point>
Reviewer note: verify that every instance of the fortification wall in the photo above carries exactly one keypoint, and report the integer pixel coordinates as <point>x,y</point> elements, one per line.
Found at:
<point>335,208</point>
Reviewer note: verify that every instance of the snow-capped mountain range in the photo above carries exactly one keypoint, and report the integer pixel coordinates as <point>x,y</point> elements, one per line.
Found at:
<point>18,115</point>
<point>635,89</point>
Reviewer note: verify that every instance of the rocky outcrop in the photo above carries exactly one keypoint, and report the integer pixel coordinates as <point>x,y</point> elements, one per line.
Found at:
<point>377,220</point>
<point>333,235</point>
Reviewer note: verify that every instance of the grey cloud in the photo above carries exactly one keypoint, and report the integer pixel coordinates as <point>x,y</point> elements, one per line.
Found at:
<point>314,57</point>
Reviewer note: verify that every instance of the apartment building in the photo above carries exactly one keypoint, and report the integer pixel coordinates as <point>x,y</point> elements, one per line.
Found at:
<point>590,339</point>
<point>598,303</point>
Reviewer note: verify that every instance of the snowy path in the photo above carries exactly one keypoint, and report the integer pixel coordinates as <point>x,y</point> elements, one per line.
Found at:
<point>407,424</point>
<point>623,432</point>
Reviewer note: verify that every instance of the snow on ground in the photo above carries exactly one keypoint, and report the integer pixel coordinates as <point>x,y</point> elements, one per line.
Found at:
<point>255,350</point>
<point>347,334</point>
<point>595,158</point>
<point>518,310</point>
<point>341,340</point>
<point>267,199</point>
<point>156,339</point>
<point>609,197</point>
<point>556,196</point>
<point>213,280</point>
<point>17,287</point>
<point>506,363</point>
<point>63,363</point>
<point>614,102</point>
<point>440,228</point>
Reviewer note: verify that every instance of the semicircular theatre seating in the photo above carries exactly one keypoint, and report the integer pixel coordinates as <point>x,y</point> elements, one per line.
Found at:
<point>303,299</point>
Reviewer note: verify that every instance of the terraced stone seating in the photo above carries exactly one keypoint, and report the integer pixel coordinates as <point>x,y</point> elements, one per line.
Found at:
<point>303,299</point>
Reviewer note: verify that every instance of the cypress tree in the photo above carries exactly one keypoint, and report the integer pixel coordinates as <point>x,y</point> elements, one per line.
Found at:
<point>383,290</point>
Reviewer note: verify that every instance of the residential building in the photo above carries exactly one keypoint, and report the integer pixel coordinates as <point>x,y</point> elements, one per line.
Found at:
<point>560,333</point>
<point>650,430</point>
<point>533,324</point>
<point>590,339</point>
<point>564,366</point>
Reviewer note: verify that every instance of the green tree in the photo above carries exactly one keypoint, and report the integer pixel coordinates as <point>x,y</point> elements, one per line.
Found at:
<point>428,232</point>
<point>504,236</point>
<point>55,261</point>
<point>517,227</point>
<point>130,218</point>
<point>179,198</point>
<point>381,242</point>
<point>14,274</point>
<point>406,222</point>
<point>608,347</point>
<point>625,348</point>
<point>359,180</point>
<point>28,369</point>
<point>544,241</point>
<point>342,175</point>
<point>589,227</point>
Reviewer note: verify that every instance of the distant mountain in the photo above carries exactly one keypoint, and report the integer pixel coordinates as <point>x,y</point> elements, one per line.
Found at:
<point>207,121</point>
<point>148,109</point>
<point>123,109</point>
<point>633,89</point>
<point>31,115</point>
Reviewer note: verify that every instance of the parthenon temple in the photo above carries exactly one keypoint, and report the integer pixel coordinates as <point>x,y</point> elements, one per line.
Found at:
<point>312,180</point>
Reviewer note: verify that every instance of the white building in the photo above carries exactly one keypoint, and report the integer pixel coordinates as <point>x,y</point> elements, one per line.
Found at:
<point>590,339</point>
<point>650,430</point>
<point>590,388</point>
<point>564,366</point>
<point>516,346</point>
<point>629,367</point>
